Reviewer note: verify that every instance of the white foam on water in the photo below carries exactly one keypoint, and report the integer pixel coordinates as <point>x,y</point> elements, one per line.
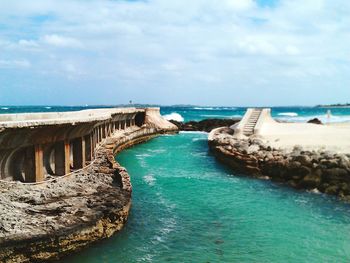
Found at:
<point>48,107</point>
<point>214,108</point>
<point>4,108</point>
<point>174,116</point>
<point>203,108</point>
<point>314,191</point>
<point>157,151</point>
<point>149,179</point>
<point>193,132</point>
<point>290,114</point>
<point>322,118</point>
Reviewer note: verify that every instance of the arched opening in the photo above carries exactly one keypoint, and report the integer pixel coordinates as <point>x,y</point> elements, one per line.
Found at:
<point>140,119</point>
<point>15,164</point>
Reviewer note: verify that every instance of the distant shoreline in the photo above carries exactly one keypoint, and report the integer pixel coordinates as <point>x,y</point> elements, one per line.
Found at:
<point>334,107</point>
<point>338,105</point>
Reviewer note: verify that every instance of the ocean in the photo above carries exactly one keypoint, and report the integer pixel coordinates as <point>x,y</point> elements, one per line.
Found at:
<point>186,207</point>
<point>196,113</point>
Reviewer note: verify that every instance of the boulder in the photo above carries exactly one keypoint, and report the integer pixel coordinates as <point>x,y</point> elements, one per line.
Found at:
<point>303,159</point>
<point>335,174</point>
<point>310,181</point>
<point>314,121</point>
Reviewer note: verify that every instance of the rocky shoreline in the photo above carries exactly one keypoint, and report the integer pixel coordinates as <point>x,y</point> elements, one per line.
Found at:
<point>323,171</point>
<point>204,125</point>
<point>45,222</point>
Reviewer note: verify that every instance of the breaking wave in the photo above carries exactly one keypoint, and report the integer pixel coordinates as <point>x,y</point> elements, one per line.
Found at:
<point>322,118</point>
<point>289,114</point>
<point>173,116</point>
<point>214,108</point>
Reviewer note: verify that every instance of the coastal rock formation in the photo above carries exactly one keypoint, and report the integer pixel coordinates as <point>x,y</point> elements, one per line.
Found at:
<point>45,221</point>
<point>320,170</point>
<point>204,125</point>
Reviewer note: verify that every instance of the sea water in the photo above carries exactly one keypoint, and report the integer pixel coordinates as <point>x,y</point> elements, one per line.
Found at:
<point>294,114</point>
<point>186,207</point>
<point>188,113</point>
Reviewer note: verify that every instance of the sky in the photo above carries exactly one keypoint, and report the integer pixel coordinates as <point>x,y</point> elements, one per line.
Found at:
<point>199,52</point>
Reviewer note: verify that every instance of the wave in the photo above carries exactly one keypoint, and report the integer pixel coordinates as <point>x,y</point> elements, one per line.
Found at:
<point>289,114</point>
<point>174,116</point>
<point>221,116</point>
<point>48,107</point>
<point>194,132</point>
<point>149,179</point>
<point>4,108</point>
<point>214,108</point>
<point>203,108</point>
<point>322,118</point>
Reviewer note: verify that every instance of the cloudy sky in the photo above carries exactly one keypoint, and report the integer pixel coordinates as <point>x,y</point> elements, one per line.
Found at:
<point>204,52</point>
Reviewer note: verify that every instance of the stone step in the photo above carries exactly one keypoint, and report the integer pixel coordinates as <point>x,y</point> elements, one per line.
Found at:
<point>248,128</point>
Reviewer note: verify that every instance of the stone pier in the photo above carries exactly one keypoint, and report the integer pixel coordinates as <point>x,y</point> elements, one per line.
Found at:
<point>35,146</point>
<point>45,215</point>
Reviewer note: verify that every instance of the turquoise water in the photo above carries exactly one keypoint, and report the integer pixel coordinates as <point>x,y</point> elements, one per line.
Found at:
<point>187,113</point>
<point>189,208</point>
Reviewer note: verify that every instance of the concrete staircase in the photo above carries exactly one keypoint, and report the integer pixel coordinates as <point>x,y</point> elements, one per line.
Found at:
<point>248,128</point>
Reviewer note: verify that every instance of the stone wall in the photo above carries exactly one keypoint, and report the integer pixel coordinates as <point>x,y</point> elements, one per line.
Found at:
<point>323,171</point>
<point>46,221</point>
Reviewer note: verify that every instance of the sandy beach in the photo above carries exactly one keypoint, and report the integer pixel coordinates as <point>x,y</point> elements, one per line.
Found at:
<point>330,137</point>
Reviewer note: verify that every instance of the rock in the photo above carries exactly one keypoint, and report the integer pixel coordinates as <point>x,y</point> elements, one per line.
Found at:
<point>315,121</point>
<point>303,159</point>
<point>310,181</point>
<point>204,125</point>
<point>39,223</point>
<point>336,174</point>
<point>299,171</point>
<point>253,149</point>
<point>297,148</point>
<point>325,171</point>
<point>344,162</point>
<point>332,190</point>
<point>329,163</point>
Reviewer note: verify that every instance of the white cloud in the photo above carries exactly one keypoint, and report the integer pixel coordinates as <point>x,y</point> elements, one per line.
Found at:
<point>240,5</point>
<point>21,63</point>
<point>292,50</point>
<point>61,41</point>
<point>28,43</point>
<point>176,45</point>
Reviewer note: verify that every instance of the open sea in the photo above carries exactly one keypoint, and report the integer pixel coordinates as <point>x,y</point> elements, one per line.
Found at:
<point>196,113</point>
<point>189,208</point>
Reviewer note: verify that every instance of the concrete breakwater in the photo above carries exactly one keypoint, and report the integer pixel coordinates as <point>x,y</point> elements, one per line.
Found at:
<point>318,170</point>
<point>60,214</point>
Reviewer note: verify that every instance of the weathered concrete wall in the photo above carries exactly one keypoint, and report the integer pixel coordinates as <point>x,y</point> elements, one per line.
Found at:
<point>36,146</point>
<point>46,221</point>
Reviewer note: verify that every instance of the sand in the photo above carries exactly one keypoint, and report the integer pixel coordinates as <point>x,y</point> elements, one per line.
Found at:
<point>330,137</point>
